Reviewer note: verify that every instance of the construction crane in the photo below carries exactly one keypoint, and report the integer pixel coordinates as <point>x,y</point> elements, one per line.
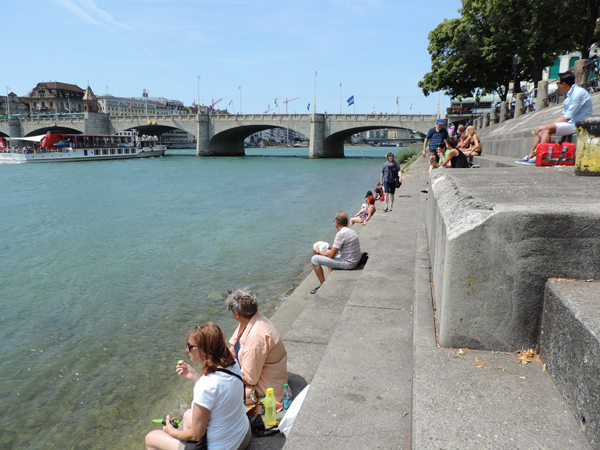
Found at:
<point>268,111</point>
<point>287,101</point>
<point>212,106</point>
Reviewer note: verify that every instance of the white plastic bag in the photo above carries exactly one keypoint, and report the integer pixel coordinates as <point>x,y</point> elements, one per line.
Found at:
<point>285,426</point>
<point>321,245</point>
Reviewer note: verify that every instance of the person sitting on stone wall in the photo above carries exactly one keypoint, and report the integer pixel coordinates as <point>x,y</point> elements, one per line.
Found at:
<point>474,144</point>
<point>344,253</point>
<point>454,156</point>
<point>577,105</point>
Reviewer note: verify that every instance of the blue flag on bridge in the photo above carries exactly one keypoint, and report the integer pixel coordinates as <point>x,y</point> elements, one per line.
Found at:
<point>351,101</point>
<point>308,107</point>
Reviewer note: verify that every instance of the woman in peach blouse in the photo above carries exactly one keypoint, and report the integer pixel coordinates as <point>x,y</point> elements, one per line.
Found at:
<point>257,346</point>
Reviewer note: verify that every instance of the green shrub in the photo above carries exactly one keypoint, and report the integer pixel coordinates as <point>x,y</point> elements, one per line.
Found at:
<point>406,154</point>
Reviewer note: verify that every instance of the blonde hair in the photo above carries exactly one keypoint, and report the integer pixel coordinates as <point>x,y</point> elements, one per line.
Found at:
<point>470,131</point>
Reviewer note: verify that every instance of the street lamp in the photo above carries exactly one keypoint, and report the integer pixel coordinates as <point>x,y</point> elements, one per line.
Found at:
<point>8,101</point>
<point>516,60</point>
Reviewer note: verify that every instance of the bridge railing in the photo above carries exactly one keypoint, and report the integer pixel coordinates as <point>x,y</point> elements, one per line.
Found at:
<point>154,117</point>
<point>373,117</point>
<point>45,119</point>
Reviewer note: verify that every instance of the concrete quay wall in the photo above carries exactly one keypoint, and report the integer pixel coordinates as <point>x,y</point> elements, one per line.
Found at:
<point>495,237</point>
<point>570,347</point>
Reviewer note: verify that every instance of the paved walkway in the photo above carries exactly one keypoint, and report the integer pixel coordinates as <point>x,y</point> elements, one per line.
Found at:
<point>366,344</point>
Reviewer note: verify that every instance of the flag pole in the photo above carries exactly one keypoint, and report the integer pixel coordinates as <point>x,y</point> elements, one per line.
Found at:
<point>315,102</point>
<point>340,98</point>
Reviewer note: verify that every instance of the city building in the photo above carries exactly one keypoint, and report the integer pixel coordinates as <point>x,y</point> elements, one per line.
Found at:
<point>13,105</point>
<point>564,63</point>
<point>125,106</point>
<point>56,98</point>
<point>280,135</point>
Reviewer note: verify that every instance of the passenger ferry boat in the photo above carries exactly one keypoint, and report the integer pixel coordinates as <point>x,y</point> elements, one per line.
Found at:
<point>56,147</point>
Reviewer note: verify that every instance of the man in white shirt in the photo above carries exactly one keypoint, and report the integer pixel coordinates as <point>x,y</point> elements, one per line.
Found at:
<point>577,105</point>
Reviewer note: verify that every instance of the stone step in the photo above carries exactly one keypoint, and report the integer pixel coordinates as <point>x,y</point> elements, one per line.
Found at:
<point>360,396</point>
<point>570,347</point>
<point>488,161</point>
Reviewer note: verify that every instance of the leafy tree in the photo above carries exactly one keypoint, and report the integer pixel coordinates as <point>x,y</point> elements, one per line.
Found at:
<point>475,52</point>
<point>591,33</point>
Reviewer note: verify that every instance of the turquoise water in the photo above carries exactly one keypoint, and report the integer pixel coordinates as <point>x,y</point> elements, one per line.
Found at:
<point>105,265</point>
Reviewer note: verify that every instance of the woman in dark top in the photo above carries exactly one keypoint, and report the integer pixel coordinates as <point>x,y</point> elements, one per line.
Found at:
<point>457,159</point>
<point>390,174</point>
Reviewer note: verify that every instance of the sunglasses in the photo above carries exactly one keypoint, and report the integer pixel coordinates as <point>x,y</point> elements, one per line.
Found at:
<point>190,347</point>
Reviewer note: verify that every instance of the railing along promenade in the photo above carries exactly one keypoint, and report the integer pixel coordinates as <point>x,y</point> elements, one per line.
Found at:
<point>586,75</point>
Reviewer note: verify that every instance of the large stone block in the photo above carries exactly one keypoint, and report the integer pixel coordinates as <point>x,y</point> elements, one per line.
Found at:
<point>570,347</point>
<point>495,237</point>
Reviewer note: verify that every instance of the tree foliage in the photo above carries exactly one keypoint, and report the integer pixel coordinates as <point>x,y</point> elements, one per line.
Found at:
<point>474,53</point>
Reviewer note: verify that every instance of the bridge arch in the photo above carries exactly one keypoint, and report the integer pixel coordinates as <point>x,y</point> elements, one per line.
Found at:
<point>231,141</point>
<point>53,129</point>
<point>335,141</point>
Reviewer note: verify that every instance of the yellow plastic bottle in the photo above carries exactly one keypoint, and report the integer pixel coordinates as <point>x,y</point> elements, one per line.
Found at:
<point>270,407</point>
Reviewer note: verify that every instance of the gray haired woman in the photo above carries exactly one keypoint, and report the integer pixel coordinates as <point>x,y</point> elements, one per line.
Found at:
<point>257,346</point>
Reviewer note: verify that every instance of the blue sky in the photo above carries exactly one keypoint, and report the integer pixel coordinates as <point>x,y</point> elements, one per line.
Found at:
<point>377,50</point>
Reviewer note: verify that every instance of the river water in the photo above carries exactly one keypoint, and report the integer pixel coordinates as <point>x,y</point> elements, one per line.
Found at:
<point>105,265</point>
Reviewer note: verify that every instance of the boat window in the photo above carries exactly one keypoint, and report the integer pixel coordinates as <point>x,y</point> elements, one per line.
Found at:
<point>126,150</point>
<point>112,151</point>
<point>120,151</point>
<point>133,150</point>
<point>104,151</point>
<point>96,152</point>
<point>85,153</point>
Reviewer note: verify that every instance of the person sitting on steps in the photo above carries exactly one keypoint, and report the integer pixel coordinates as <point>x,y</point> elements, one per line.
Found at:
<point>577,105</point>
<point>344,253</point>
<point>365,213</point>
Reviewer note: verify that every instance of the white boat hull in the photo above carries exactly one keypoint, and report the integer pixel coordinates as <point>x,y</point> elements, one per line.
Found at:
<point>80,154</point>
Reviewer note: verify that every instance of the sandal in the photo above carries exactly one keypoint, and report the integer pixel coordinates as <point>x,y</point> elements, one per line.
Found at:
<point>314,291</point>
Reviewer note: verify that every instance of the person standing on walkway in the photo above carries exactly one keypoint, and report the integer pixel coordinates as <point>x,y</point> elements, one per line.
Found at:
<point>344,253</point>
<point>434,137</point>
<point>577,105</point>
<point>391,178</point>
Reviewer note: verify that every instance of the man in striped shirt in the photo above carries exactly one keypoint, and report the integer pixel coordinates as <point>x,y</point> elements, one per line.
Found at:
<point>344,253</point>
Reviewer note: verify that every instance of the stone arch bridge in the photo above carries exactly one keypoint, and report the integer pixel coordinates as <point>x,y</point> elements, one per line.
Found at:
<point>223,135</point>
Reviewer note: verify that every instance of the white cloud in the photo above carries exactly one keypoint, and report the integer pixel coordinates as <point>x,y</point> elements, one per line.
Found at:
<point>88,11</point>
